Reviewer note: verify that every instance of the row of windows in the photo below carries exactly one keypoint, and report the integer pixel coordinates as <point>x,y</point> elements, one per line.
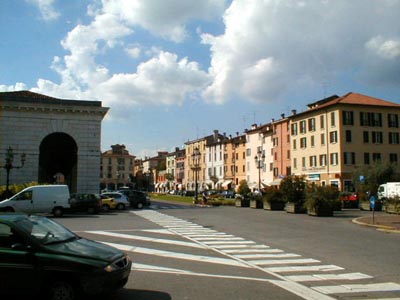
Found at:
<point>372,119</point>
<point>349,158</point>
<point>375,137</point>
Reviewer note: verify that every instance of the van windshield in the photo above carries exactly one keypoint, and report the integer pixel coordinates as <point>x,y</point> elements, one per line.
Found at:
<point>45,230</point>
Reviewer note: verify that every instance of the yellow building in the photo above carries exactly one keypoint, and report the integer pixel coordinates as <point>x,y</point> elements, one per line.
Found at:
<point>337,134</point>
<point>235,161</point>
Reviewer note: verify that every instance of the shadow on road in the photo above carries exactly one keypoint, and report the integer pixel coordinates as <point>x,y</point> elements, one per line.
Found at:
<point>126,294</point>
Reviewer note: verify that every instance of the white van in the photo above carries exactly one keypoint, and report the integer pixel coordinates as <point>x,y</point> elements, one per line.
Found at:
<point>39,199</point>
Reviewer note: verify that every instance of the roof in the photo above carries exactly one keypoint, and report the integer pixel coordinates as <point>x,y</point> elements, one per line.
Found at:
<point>31,97</point>
<point>352,98</point>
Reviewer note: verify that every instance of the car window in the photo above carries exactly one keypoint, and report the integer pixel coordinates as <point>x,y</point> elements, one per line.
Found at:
<point>8,237</point>
<point>24,196</point>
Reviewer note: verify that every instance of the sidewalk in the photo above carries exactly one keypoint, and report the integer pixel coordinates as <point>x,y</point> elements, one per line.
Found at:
<point>385,222</point>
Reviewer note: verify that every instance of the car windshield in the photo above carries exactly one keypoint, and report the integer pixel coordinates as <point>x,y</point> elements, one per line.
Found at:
<point>45,230</point>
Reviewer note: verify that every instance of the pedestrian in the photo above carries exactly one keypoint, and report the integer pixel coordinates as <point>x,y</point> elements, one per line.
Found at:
<point>204,199</point>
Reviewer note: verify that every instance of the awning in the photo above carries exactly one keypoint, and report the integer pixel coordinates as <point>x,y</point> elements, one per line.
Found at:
<point>157,185</point>
<point>226,183</point>
<point>253,185</point>
<point>276,181</point>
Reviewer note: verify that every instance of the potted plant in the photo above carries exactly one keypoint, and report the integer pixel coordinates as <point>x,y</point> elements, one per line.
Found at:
<point>273,200</point>
<point>256,200</point>
<point>241,198</point>
<point>293,193</point>
<point>321,200</point>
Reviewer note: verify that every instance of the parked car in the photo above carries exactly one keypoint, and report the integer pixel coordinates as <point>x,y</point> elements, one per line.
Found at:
<point>39,199</point>
<point>120,198</point>
<point>137,199</point>
<point>90,203</point>
<point>39,256</point>
<point>349,199</point>
<point>107,203</point>
<point>228,194</point>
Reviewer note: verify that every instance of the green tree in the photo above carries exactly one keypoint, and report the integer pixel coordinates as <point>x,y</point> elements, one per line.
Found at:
<point>243,188</point>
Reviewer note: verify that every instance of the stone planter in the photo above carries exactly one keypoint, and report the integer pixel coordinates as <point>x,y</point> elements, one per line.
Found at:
<point>274,205</point>
<point>242,203</point>
<point>295,208</point>
<point>256,203</point>
<point>320,212</point>
<point>392,208</point>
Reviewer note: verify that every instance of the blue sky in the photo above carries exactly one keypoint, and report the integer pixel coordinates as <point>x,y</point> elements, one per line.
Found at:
<point>175,70</point>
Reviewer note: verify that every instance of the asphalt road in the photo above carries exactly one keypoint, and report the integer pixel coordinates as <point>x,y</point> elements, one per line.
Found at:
<point>183,252</point>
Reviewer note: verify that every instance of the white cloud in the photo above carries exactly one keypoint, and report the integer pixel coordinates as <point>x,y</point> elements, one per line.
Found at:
<point>133,52</point>
<point>270,46</point>
<point>46,8</point>
<point>19,86</point>
<point>167,18</point>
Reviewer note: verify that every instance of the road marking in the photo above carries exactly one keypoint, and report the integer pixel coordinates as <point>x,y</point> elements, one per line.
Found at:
<point>322,277</point>
<point>177,255</point>
<point>267,255</point>
<point>162,231</point>
<point>323,268</point>
<point>283,261</point>
<point>147,239</point>
<point>359,288</point>
<point>300,290</point>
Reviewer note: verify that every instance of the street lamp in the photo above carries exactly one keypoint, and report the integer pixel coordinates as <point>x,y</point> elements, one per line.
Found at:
<point>9,166</point>
<point>259,160</point>
<point>196,155</point>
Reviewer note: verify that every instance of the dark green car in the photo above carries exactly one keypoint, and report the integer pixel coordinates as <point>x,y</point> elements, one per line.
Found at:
<point>38,255</point>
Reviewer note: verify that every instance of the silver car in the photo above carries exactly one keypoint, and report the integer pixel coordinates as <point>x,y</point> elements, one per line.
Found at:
<point>121,199</point>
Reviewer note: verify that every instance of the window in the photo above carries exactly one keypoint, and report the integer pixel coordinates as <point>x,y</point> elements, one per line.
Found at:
<point>366,136</point>
<point>303,128</point>
<point>313,161</point>
<point>322,160</point>
<point>248,152</point>
<point>334,158</point>
<point>348,118</point>
<point>322,121</point>
<point>348,136</point>
<point>312,141</point>
<point>294,163</point>
<point>349,158</point>
<point>393,121</point>
<point>303,143</point>
<point>377,119</point>
<point>333,137</point>
<point>366,158</point>
<point>311,124</point>
<point>377,137</point>
<point>333,120</point>
<point>294,144</point>
<point>376,157</point>
<point>394,138</point>
<point>294,129</point>
<point>322,138</point>
<point>303,162</point>
<point>393,158</point>
<point>371,119</point>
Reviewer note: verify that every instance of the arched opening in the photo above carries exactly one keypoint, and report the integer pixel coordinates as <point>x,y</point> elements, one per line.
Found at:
<point>58,160</point>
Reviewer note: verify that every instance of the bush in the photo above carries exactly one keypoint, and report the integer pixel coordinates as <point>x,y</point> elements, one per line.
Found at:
<point>321,198</point>
<point>293,189</point>
<point>243,188</point>
<point>14,189</point>
<point>274,196</point>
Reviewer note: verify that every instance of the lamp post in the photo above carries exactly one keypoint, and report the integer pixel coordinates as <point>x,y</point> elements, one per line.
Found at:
<point>259,160</point>
<point>196,155</point>
<point>9,166</point>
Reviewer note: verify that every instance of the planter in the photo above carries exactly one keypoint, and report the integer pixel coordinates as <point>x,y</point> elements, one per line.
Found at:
<point>364,205</point>
<point>242,203</point>
<point>295,208</point>
<point>256,203</point>
<point>274,205</point>
<point>392,208</point>
<point>321,212</point>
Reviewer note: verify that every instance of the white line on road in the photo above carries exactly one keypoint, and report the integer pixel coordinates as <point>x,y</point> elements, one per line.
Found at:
<point>322,277</point>
<point>267,255</point>
<point>323,268</point>
<point>359,288</point>
<point>283,261</point>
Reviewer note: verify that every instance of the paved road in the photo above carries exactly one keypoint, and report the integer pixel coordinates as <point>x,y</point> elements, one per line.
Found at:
<point>181,252</point>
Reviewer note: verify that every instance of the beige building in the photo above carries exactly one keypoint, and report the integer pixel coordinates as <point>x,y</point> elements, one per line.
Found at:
<point>235,160</point>
<point>116,168</point>
<point>337,134</point>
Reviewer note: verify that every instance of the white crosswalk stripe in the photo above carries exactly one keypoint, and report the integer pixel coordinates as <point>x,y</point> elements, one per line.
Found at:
<point>294,273</point>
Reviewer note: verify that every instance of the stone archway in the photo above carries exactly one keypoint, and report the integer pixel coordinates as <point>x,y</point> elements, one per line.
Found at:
<point>58,156</point>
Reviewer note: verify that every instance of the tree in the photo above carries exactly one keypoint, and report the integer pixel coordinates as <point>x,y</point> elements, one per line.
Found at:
<point>243,188</point>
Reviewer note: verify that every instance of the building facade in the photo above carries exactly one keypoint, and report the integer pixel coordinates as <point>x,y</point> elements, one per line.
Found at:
<point>60,139</point>
<point>116,168</point>
<point>235,161</point>
<point>338,134</point>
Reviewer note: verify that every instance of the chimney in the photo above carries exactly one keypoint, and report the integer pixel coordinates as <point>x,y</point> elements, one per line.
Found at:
<point>215,135</point>
<point>283,116</point>
<point>294,112</point>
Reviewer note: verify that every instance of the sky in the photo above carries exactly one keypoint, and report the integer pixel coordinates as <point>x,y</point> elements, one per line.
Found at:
<point>173,71</point>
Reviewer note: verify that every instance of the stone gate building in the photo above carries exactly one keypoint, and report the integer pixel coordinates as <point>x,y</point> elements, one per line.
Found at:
<point>60,138</point>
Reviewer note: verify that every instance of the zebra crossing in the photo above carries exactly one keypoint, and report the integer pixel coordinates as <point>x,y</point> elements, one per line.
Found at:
<point>305,277</point>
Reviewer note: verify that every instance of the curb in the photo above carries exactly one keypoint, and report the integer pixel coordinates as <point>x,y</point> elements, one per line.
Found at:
<point>382,228</point>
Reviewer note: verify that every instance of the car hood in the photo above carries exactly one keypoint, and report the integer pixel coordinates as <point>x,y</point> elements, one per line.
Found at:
<point>82,247</point>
